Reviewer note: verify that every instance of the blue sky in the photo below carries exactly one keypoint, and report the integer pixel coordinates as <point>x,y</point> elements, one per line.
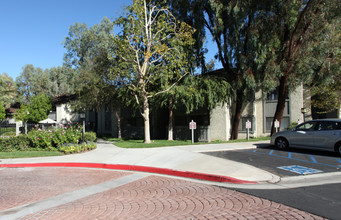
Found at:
<point>33,30</point>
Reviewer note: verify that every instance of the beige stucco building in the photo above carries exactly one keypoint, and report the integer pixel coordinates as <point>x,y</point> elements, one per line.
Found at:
<point>260,113</point>
<point>211,126</point>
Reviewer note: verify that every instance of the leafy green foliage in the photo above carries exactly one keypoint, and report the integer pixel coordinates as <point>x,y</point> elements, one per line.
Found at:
<point>2,112</point>
<point>65,139</point>
<point>89,51</point>
<point>53,82</point>
<point>235,26</point>
<point>303,44</point>
<point>90,137</point>
<point>39,107</point>
<point>76,148</point>
<point>31,82</point>
<point>22,114</point>
<point>51,139</point>
<point>8,90</point>
<point>17,143</point>
<point>151,53</point>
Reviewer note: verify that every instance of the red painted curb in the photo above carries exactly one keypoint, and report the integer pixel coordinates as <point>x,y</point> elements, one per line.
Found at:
<point>187,174</point>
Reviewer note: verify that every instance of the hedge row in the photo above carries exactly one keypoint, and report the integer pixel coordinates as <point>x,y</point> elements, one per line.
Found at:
<point>67,139</point>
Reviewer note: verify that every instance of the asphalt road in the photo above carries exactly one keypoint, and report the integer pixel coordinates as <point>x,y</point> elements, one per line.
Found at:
<point>283,163</point>
<point>322,200</point>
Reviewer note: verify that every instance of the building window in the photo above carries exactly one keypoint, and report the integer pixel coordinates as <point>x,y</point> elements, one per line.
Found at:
<point>273,96</point>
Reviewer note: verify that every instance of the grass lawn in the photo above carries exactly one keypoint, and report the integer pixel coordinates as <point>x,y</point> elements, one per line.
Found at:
<point>164,143</point>
<point>22,154</point>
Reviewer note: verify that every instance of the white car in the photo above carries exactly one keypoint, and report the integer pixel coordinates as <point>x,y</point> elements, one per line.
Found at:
<point>322,134</point>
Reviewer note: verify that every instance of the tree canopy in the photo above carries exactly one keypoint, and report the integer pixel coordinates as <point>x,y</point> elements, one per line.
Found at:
<point>268,44</point>
<point>54,81</point>
<point>2,112</point>
<point>151,39</point>
<point>302,33</point>
<point>8,90</point>
<point>37,110</point>
<point>88,52</point>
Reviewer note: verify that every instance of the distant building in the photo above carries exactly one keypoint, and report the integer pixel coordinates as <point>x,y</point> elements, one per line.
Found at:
<point>214,125</point>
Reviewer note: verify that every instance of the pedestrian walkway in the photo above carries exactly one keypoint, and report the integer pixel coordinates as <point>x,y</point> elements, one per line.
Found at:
<point>78,193</point>
<point>181,158</point>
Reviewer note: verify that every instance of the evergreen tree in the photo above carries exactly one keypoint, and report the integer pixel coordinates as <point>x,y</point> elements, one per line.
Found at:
<point>8,90</point>
<point>39,108</point>
<point>302,44</point>
<point>31,82</point>
<point>88,52</point>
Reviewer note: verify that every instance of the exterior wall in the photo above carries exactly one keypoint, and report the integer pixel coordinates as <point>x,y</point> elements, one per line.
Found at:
<point>260,109</point>
<point>220,123</point>
<point>247,115</point>
<point>64,114</point>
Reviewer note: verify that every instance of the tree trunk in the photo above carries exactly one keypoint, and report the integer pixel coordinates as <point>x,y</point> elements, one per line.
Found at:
<point>170,120</point>
<point>237,115</point>
<point>119,129</point>
<point>146,120</point>
<point>282,95</point>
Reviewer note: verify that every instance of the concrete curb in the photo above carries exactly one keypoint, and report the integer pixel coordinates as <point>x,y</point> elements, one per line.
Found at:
<point>165,171</point>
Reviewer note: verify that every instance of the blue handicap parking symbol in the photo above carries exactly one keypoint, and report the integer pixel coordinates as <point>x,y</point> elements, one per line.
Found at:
<point>300,170</point>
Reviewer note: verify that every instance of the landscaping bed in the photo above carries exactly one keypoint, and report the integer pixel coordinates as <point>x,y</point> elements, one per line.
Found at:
<point>64,139</point>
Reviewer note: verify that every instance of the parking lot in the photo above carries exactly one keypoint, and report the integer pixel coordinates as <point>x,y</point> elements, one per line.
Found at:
<point>285,163</point>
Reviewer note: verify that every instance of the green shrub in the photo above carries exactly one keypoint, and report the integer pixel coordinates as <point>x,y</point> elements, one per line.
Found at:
<point>49,139</point>
<point>90,136</point>
<point>17,143</point>
<point>76,148</point>
<point>64,138</point>
<point>40,138</point>
<point>9,134</point>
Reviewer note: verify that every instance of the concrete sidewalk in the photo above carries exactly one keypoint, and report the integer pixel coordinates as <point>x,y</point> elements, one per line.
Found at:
<point>178,158</point>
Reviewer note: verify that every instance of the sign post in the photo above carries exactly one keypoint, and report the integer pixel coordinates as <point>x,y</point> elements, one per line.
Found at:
<point>192,126</point>
<point>276,125</point>
<point>248,127</point>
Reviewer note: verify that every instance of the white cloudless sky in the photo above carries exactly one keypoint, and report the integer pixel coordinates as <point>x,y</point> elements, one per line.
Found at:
<point>33,31</point>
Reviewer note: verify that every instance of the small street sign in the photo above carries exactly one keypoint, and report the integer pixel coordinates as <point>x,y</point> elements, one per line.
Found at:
<point>277,125</point>
<point>248,127</point>
<point>248,124</point>
<point>192,125</point>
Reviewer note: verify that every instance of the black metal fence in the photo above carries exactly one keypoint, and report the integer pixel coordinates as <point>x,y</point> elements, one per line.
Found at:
<point>7,130</point>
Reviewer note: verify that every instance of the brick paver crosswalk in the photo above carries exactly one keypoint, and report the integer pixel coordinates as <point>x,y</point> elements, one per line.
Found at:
<point>142,197</point>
